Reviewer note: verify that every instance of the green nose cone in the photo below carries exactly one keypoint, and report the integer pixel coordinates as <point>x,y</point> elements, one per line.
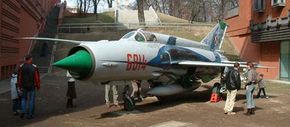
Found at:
<point>79,63</point>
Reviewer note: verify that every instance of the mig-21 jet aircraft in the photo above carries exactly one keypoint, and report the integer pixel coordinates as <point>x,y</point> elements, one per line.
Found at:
<point>172,65</point>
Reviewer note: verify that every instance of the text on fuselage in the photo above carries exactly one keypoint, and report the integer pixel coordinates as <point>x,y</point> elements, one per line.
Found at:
<point>136,62</point>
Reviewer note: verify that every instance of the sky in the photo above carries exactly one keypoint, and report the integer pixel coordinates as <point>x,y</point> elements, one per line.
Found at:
<point>102,5</point>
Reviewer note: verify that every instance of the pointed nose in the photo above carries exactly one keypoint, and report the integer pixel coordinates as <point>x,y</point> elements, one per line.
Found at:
<point>79,64</point>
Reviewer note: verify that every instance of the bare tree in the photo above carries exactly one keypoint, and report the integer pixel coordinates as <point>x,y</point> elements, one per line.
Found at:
<point>110,3</point>
<point>141,16</point>
<point>164,7</point>
<point>220,7</point>
<point>95,4</point>
<point>195,9</point>
<point>87,5</point>
<point>155,4</point>
<point>204,10</point>
<point>192,10</point>
<point>83,6</point>
<point>80,6</point>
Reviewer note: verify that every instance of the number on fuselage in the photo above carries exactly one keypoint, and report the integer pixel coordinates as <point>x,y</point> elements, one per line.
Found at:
<point>136,62</point>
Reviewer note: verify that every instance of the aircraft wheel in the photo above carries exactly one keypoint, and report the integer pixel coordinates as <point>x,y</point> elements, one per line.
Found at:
<point>163,98</point>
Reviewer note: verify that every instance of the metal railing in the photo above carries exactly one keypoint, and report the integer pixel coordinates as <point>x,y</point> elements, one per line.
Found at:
<point>87,27</point>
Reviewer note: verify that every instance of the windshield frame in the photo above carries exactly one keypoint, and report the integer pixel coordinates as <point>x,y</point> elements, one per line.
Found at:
<point>132,36</point>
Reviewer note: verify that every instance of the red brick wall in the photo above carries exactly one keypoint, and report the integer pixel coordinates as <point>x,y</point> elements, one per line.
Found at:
<point>9,47</point>
<point>275,12</point>
<point>29,28</point>
<point>267,54</point>
<point>18,19</point>
<point>239,33</point>
<point>270,56</point>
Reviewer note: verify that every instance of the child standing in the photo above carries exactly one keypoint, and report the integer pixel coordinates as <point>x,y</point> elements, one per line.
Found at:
<point>261,85</point>
<point>15,94</point>
<point>71,90</point>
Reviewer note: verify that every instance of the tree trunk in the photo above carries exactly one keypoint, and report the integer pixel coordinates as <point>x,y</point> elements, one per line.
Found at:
<point>204,11</point>
<point>222,9</point>
<point>163,6</point>
<point>141,17</point>
<point>80,6</point>
<point>85,6</point>
<point>95,3</point>
<point>110,3</point>
<point>171,9</point>
<point>95,8</point>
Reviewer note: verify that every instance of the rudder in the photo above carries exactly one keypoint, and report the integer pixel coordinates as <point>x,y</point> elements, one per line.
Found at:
<point>215,38</point>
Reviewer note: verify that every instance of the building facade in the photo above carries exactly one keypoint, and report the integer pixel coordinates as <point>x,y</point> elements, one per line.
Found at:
<point>19,18</point>
<point>260,32</point>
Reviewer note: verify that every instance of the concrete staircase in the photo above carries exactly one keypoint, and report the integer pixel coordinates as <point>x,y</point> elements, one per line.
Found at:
<point>42,50</point>
<point>126,16</point>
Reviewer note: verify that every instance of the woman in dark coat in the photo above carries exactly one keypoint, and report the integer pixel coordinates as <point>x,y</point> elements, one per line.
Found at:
<point>71,90</point>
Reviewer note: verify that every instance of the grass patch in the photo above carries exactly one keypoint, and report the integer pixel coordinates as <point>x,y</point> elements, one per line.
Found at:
<point>106,17</point>
<point>183,34</point>
<point>196,33</point>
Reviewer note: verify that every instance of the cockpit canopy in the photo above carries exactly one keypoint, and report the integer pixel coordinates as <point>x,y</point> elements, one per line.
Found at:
<point>140,36</point>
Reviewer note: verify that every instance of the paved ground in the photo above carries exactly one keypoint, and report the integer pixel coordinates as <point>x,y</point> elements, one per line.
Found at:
<point>191,110</point>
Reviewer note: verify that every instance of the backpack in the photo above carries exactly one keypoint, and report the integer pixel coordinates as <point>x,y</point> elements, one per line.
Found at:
<point>230,80</point>
<point>27,76</point>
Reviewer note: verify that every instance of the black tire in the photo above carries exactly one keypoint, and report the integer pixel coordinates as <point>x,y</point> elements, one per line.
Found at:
<point>163,98</point>
<point>129,103</point>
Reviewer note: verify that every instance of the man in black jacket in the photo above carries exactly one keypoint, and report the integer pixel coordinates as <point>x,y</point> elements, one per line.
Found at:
<point>233,84</point>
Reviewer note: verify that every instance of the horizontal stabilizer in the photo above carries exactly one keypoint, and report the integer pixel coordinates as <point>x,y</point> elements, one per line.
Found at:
<point>213,64</point>
<point>223,64</point>
<point>50,39</point>
<point>232,62</point>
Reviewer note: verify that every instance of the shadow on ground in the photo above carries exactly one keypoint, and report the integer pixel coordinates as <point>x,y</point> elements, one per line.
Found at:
<point>194,97</point>
<point>51,100</point>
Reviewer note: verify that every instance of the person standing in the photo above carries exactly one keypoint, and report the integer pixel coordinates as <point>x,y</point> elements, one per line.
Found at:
<point>250,87</point>
<point>261,85</point>
<point>28,80</point>
<point>15,94</point>
<point>71,90</point>
<point>111,86</point>
<point>233,84</point>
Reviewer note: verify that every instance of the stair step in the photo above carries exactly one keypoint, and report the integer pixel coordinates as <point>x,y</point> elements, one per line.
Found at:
<point>43,48</point>
<point>43,69</point>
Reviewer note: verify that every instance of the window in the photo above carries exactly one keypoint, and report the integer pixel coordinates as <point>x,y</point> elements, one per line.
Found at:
<point>278,3</point>
<point>179,54</point>
<point>152,37</point>
<point>139,38</point>
<point>233,8</point>
<point>148,35</point>
<point>128,35</point>
<point>259,5</point>
<point>165,58</point>
<point>171,41</point>
<point>233,4</point>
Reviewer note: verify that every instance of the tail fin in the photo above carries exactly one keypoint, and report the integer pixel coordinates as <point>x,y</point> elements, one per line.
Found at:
<point>215,38</point>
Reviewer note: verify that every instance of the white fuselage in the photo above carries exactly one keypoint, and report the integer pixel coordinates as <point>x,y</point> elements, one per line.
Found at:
<point>127,60</point>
